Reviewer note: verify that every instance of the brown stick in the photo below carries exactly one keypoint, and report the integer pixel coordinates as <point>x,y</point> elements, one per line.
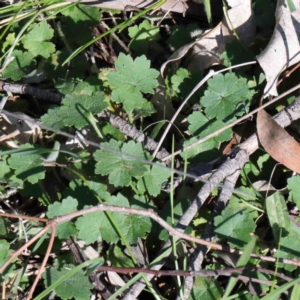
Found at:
<point>42,268</point>
<point>30,242</point>
<point>202,273</point>
<point>146,213</point>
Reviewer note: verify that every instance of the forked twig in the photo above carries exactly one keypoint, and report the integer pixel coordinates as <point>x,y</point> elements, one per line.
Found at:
<point>42,267</point>
<point>195,262</point>
<point>203,273</point>
<point>146,213</point>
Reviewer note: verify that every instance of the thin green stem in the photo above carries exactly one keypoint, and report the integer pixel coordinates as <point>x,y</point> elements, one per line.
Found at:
<point>233,29</point>
<point>12,20</point>
<point>93,121</point>
<point>276,264</point>
<point>173,221</point>
<point>208,12</point>
<point>8,54</point>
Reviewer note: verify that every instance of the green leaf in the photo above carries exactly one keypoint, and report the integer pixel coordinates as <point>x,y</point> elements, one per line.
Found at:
<point>226,97</point>
<point>100,189</point>
<point>146,110</point>
<point>32,190</point>
<point>22,65</point>
<point>235,224</point>
<point>118,258</point>
<point>153,179</point>
<point>72,113</point>
<point>277,292</point>
<point>242,262</point>
<point>120,167</point>
<point>236,53</point>
<point>77,286</point>
<point>53,118</point>
<point>262,169</point>
<point>264,13</point>
<point>196,150</point>
<point>94,225</point>
<point>198,123</point>
<point>202,127</point>
<point>181,83</point>
<point>134,226</point>
<point>205,289</point>
<point>207,7</point>
<point>10,38</point>
<point>4,227</point>
<point>182,35</point>
<point>291,6</point>
<point>178,79</point>
<point>36,40</point>
<point>28,167</point>
<point>89,86</point>
<point>131,79</point>
<point>4,252</point>
<point>68,205</point>
<point>262,160</point>
<point>278,216</point>
<point>289,246</point>
<point>80,19</point>
<point>294,188</point>
<point>84,195</point>
<point>178,210</point>
<point>142,35</point>
<point>260,288</point>
<point>75,106</point>
<point>249,169</point>
<point>4,170</point>
<point>82,12</point>
<point>64,75</point>
<point>295,295</point>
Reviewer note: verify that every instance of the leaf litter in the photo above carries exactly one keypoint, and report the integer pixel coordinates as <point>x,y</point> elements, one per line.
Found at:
<point>283,48</point>
<point>226,97</point>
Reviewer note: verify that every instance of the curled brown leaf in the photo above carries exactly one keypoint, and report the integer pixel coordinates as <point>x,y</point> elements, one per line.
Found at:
<point>277,142</point>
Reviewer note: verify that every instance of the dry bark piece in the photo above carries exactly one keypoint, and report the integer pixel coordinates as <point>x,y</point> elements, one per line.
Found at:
<point>277,142</point>
<point>283,48</point>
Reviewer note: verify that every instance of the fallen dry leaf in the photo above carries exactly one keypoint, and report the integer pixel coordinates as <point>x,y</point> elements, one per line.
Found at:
<point>277,142</point>
<point>207,50</point>
<point>283,49</point>
<point>171,5</point>
<point>263,186</point>
<point>235,140</point>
